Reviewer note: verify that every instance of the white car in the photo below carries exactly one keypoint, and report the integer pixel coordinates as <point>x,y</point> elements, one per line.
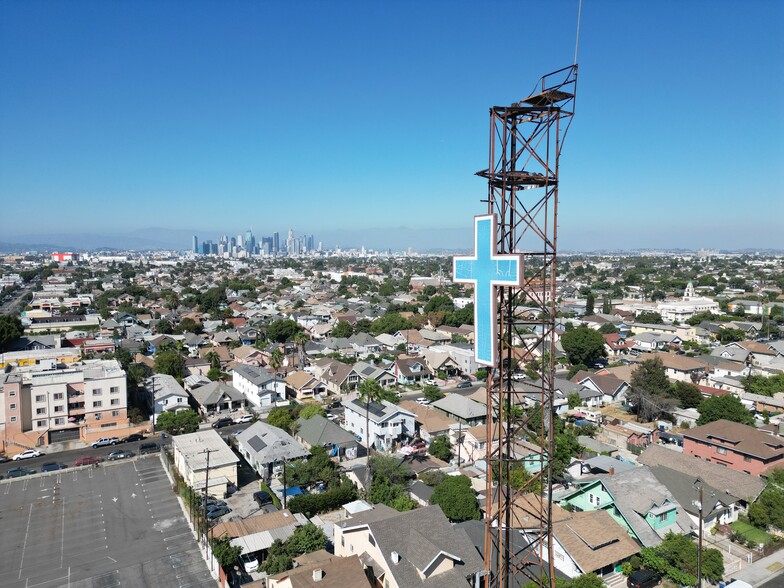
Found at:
<point>246,418</point>
<point>104,441</point>
<point>28,453</point>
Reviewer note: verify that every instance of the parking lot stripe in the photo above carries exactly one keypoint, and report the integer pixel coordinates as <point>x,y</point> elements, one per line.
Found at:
<point>62,536</point>
<point>24,545</point>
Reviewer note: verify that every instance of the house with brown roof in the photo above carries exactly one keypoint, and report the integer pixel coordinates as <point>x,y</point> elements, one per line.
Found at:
<point>429,423</point>
<point>328,571</point>
<point>338,376</point>
<point>613,389</point>
<point>411,370</point>
<point>735,446</point>
<point>680,368</point>
<point>303,386</point>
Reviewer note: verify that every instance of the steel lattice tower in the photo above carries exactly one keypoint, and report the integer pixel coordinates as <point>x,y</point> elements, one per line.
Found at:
<point>526,139</point>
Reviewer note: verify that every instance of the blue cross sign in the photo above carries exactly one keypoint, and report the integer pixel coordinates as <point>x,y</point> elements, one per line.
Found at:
<point>486,270</point>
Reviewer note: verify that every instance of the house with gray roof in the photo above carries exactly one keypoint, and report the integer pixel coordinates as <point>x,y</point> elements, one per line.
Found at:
<point>218,396</point>
<point>414,549</point>
<point>462,409</point>
<point>266,448</point>
<point>367,371</point>
<point>388,422</point>
<point>318,431</point>
<point>164,394</point>
<point>636,500</point>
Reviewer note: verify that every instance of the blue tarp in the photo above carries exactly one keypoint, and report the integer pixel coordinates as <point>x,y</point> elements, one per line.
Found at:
<point>293,491</point>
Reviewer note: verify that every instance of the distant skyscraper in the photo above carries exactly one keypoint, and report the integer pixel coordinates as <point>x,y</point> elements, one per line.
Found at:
<point>195,244</point>
<point>276,242</point>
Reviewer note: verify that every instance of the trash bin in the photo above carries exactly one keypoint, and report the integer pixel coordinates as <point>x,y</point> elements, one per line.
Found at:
<point>163,435</point>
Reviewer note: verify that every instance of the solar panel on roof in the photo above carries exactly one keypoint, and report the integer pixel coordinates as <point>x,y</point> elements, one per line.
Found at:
<point>376,409</point>
<point>256,443</point>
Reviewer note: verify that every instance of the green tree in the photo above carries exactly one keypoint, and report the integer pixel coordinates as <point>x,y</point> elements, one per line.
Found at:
<point>768,509</point>
<point>457,499</point>
<point>727,407</point>
<point>301,339</point>
<point>608,328</point>
<point>439,302</point>
<point>390,468</point>
<point>177,423</point>
<point>650,390</point>
<point>343,329</point>
<point>224,551</point>
<point>390,323</point>
<point>606,305</point>
<point>590,300</point>
<point>649,317</point>
<point>688,394</point>
<point>432,393</point>
<point>281,417</point>
<point>441,448</point>
<point>583,345</point>
<point>573,399</point>
<point>306,539</point>
<point>169,361</point>
<point>278,560</point>
<point>587,581</point>
<point>312,410</point>
<point>765,386</point>
<point>188,325</point>
<point>10,330</point>
<point>164,327</point>
<point>282,330</point>
<point>731,335</point>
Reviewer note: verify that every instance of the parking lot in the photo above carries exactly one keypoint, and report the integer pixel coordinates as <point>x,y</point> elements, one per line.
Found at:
<point>114,525</point>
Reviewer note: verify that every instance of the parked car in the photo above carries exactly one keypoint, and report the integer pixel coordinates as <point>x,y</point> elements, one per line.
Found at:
<point>52,466</point>
<point>132,437</point>
<point>19,472</point>
<point>222,422</point>
<point>217,512</point>
<point>27,454</point>
<point>3,459</point>
<point>464,384</point>
<point>246,418</point>
<point>146,448</point>
<point>643,579</point>
<point>249,562</point>
<point>261,497</point>
<point>122,454</point>
<point>104,441</point>
<point>87,460</point>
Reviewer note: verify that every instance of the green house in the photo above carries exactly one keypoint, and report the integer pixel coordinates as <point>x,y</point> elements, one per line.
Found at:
<point>634,499</point>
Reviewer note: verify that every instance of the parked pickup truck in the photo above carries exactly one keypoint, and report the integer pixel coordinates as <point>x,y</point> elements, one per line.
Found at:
<point>87,460</point>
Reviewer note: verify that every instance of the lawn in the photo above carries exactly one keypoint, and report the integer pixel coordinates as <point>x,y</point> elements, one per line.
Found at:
<point>750,532</point>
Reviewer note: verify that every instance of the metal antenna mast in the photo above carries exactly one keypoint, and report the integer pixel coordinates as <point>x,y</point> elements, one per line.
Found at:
<point>526,139</point>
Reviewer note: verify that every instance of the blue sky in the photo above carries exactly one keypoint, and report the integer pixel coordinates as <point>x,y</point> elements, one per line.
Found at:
<point>359,118</point>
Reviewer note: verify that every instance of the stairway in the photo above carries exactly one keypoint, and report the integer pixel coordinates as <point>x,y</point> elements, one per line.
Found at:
<point>615,580</point>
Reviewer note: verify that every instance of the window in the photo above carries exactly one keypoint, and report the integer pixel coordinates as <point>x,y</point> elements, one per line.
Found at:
<point>12,406</point>
<point>58,396</point>
<point>590,498</point>
<point>97,392</point>
<point>59,421</point>
<point>58,408</point>
<point>40,411</point>
<point>12,393</point>
<point>40,398</point>
<point>721,450</point>
<point>40,424</point>
<point>114,390</point>
<point>115,402</point>
<point>97,404</point>
<point>115,413</point>
<point>342,541</point>
<point>661,518</point>
<point>13,419</point>
<point>746,458</point>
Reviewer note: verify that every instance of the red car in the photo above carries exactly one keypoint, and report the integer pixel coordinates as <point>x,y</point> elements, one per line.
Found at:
<point>87,460</point>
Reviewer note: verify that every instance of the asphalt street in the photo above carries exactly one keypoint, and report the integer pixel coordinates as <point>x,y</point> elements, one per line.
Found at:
<point>117,525</point>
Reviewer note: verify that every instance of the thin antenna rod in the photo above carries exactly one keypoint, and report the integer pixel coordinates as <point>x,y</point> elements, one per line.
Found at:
<point>577,37</point>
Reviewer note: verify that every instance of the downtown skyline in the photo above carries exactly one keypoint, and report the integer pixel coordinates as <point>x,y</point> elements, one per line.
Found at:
<point>119,122</point>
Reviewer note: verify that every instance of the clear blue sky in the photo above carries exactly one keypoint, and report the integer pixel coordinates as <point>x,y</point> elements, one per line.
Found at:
<point>328,116</point>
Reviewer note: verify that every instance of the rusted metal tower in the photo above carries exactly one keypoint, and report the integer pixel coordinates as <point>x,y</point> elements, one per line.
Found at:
<point>526,139</point>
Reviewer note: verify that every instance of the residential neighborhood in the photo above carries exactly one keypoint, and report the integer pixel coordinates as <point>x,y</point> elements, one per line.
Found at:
<point>300,394</point>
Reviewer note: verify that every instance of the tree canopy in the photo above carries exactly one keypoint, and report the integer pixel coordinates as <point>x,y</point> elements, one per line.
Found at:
<point>583,345</point>
<point>432,393</point>
<point>727,407</point>
<point>649,317</point>
<point>457,499</point>
<point>176,423</point>
<point>169,361</point>
<point>343,329</point>
<point>768,510</point>
<point>441,448</point>
<point>765,386</point>
<point>10,330</point>
<point>283,330</point>
<point>650,392</point>
<point>390,323</point>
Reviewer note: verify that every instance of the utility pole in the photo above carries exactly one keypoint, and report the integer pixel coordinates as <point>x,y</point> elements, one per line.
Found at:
<point>698,484</point>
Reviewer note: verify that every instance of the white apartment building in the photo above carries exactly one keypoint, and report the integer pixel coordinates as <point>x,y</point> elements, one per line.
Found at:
<point>388,423</point>
<point>260,387</point>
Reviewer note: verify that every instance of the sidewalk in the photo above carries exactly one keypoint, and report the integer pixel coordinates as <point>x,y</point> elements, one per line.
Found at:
<point>763,570</point>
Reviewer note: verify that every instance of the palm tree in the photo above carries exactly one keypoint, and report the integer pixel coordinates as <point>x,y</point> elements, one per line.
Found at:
<point>369,391</point>
<point>301,339</point>
<point>276,360</point>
